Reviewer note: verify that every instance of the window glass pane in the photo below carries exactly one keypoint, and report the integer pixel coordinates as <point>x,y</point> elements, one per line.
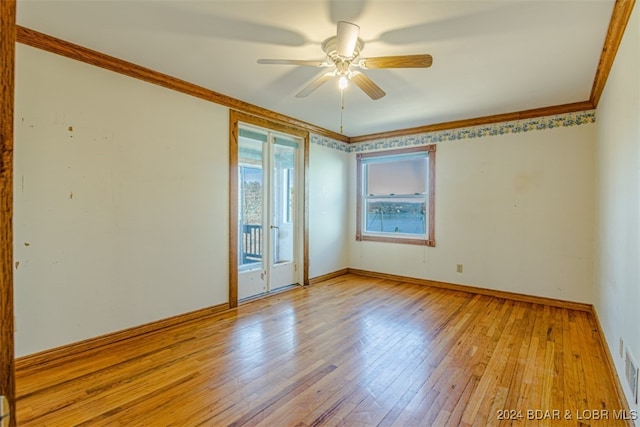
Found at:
<point>401,176</point>
<point>390,215</point>
<point>250,180</point>
<point>250,151</point>
<point>253,134</point>
<point>286,142</point>
<point>284,199</point>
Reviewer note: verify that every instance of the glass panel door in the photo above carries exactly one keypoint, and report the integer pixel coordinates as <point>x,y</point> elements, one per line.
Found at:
<point>251,213</point>
<point>283,213</point>
<point>267,211</point>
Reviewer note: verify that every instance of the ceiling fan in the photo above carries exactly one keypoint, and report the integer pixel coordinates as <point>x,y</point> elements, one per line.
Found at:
<point>343,56</point>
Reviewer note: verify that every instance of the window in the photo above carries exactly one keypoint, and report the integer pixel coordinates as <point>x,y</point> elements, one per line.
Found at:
<point>396,196</point>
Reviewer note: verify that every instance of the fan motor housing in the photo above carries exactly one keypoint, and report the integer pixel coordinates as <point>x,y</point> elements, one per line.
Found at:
<point>329,47</point>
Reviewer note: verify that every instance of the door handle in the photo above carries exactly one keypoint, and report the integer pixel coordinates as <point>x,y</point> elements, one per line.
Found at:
<point>275,227</point>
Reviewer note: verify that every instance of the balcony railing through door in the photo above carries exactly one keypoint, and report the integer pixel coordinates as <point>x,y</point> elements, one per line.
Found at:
<point>251,243</point>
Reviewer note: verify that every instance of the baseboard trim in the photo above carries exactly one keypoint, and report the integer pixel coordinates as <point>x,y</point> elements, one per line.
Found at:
<point>48,356</point>
<point>475,290</point>
<point>328,276</point>
<point>612,366</point>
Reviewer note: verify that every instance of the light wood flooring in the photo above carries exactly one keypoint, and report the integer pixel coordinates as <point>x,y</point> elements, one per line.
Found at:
<point>351,351</point>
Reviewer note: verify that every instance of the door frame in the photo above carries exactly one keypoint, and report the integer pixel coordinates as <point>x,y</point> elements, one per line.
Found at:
<point>236,117</point>
<point>280,222</point>
<point>7,77</point>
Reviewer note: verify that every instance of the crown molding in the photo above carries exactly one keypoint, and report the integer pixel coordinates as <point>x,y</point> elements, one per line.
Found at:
<point>73,51</point>
<point>619,20</point>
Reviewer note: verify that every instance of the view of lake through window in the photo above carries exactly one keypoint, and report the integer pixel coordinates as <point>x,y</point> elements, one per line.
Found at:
<point>395,201</point>
<point>396,217</point>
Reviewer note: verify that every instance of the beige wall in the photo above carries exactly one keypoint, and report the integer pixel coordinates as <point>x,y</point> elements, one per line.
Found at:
<point>121,194</point>
<point>121,203</point>
<point>328,209</point>
<point>617,278</point>
<point>515,210</point>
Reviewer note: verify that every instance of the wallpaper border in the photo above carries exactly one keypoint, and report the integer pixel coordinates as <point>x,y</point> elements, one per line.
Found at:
<point>504,128</point>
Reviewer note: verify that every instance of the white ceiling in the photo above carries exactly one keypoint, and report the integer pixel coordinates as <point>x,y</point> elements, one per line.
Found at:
<point>489,57</point>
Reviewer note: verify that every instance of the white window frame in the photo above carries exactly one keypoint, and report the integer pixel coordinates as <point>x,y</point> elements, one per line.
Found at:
<point>363,160</point>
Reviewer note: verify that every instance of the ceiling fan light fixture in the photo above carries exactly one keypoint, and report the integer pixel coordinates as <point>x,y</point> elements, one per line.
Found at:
<point>343,54</point>
<point>343,82</point>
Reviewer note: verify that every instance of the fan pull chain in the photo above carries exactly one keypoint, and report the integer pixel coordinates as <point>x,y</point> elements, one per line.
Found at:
<point>341,107</point>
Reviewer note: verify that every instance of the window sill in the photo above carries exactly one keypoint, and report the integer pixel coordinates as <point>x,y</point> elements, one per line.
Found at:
<point>401,240</point>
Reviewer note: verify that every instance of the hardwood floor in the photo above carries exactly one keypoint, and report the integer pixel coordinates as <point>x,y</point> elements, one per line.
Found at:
<point>352,351</point>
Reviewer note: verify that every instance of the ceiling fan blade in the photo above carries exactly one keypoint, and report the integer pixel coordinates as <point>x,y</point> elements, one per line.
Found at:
<point>309,63</point>
<point>346,38</point>
<point>402,61</point>
<point>314,85</point>
<point>367,85</point>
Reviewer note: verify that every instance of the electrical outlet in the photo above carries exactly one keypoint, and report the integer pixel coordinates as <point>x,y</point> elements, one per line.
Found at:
<point>632,372</point>
<point>459,268</point>
<point>621,347</point>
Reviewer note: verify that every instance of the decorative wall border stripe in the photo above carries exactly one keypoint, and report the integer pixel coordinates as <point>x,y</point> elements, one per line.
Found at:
<point>620,16</point>
<point>471,132</point>
<point>325,141</point>
<point>534,113</point>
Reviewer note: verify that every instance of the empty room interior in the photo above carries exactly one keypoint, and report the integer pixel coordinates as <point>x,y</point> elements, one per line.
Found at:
<point>357,213</point>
